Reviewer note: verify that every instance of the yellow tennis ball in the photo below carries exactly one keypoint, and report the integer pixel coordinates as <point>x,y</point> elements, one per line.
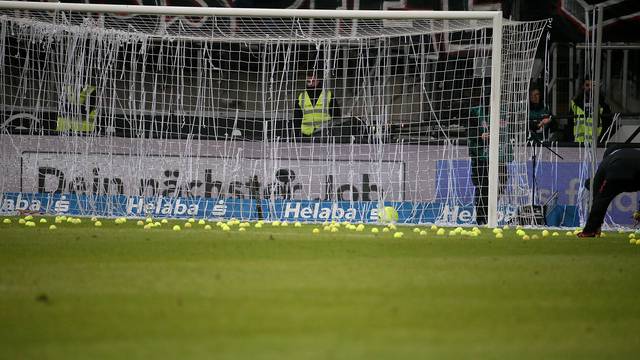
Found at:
<point>440,232</point>
<point>499,235</point>
<point>389,214</point>
<point>258,225</point>
<point>187,225</point>
<point>398,235</point>
<point>375,230</point>
<point>52,227</point>
<point>176,228</point>
<point>316,231</point>
<point>207,227</point>
<point>97,223</point>
<point>423,233</point>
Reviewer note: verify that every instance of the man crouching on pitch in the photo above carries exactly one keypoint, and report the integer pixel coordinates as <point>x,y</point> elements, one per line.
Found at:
<point>618,172</point>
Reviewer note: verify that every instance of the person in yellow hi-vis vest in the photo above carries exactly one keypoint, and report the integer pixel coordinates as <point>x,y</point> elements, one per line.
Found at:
<point>582,120</point>
<point>315,108</point>
<point>85,121</point>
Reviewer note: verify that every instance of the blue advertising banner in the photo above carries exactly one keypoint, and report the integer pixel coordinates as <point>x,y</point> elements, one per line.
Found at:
<point>283,210</point>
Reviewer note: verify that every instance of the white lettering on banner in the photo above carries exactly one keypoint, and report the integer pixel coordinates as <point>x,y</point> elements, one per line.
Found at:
<point>11,205</point>
<point>454,214</point>
<point>161,206</point>
<point>212,177</point>
<point>295,210</point>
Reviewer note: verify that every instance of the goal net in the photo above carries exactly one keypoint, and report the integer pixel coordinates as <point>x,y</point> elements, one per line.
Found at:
<point>264,114</point>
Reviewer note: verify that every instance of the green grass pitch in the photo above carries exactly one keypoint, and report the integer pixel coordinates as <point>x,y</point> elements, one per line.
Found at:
<point>121,292</point>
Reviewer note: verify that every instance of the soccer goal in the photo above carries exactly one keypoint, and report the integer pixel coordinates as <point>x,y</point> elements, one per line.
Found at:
<point>296,115</point>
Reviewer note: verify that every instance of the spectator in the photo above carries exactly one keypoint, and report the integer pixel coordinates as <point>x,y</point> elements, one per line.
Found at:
<point>582,120</point>
<point>478,147</point>
<point>315,108</point>
<point>541,124</point>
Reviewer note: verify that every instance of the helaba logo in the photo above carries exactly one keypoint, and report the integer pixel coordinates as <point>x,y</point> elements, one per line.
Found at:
<point>219,209</point>
<point>315,211</point>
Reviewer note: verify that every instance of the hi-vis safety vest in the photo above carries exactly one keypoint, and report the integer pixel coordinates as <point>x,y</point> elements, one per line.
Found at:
<point>82,124</point>
<point>582,126</point>
<point>314,116</point>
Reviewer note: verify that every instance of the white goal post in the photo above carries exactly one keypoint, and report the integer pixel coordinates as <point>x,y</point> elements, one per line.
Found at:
<point>275,114</point>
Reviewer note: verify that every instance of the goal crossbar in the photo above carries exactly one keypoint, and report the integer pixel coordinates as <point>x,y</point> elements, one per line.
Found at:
<point>250,12</point>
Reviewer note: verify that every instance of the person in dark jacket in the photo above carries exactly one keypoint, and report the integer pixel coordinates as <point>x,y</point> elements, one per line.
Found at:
<point>478,147</point>
<point>543,127</point>
<point>618,172</point>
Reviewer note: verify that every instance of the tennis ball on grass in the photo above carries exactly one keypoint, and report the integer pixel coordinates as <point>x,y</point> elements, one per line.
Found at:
<point>97,224</point>
<point>207,227</point>
<point>187,225</point>
<point>28,217</point>
<point>284,224</point>
<point>525,238</point>
<point>375,230</point>
<point>334,229</point>
<point>315,231</point>
<point>176,228</point>
<point>192,220</point>
<point>499,235</point>
<point>416,230</point>
<point>632,236</point>
<point>440,232</point>
<point>164,221</point>
<point>388,214</point>
<point>434,228</point>
<point>398,235</point>
<point>297,224</point>
<point>275,223</point>
<point>569,233</point>
<point>632,241</point>
<point>258,225</point>
<point>30,224</point>
<point>22,221</point>
<point>225,227</point>
<point>242,229</point>
<point>201,222</point>
<point>52,227</point>
<point>6,221</point>
<point>140,223</point>
<point>555,233</point>
<point>43,221</point>
<point>545,233</point>
<point>534,237</point>
<point>423,233</point>
<point>385,229</point>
